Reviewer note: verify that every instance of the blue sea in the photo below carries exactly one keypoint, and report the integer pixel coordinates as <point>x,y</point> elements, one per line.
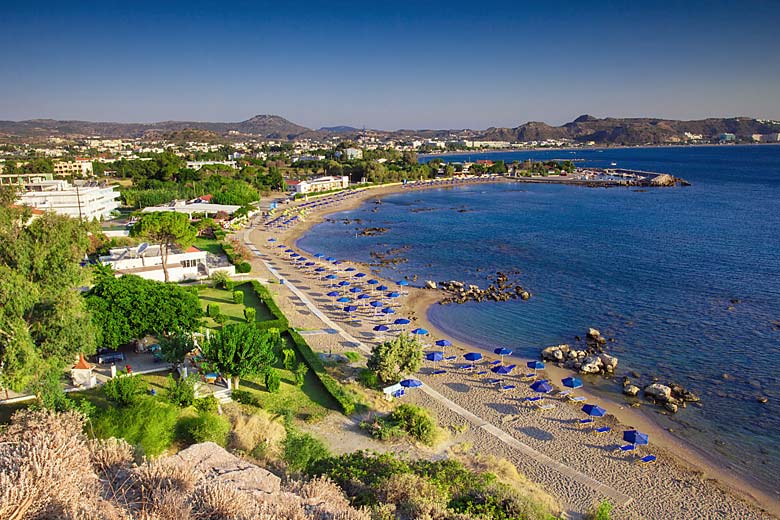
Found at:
<point>686,280</point>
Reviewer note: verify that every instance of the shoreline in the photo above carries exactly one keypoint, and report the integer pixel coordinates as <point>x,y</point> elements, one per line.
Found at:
<point>681,451</point>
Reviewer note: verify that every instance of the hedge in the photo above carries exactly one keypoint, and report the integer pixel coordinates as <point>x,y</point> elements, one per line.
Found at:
<point>333,387</point>
<point>280,320</point>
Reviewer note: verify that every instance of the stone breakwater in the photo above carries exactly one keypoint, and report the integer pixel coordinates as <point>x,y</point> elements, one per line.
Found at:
<point>502,289</point>
<point>593,360</point>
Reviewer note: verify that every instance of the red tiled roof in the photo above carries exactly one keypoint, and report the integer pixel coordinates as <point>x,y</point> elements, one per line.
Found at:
<point>82,363</point>
<point>193,249</point>
<point>292,183</point>
<point>206,197</point>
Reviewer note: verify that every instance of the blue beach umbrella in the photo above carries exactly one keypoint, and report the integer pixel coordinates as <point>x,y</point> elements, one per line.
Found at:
<point>473,356</point>
<point>636,437</point>
<point>337,262</point>
<point>502,351</point>
<point>376,304</point>
<point>444,343</point>
<point>411,383</point>
<point>293,255</point>
<point>355,290</point>
<point>282,246</point>
<point>420,332</point>
<point>401,321</point>
<point>309,264</point>
<point>331,277</point>
<point>350,308</point>
<point>333,294</point>
<point>535,365</point>
<point>288,250</point>
<point>434,356</point>
<point>330,259</point>
<point>542,387</point>
<point>594,410</point>
<point>381,288</point>
<point>349,269</point>
<point>272,240</point>
<point>360,275</point>
<point>572,382</point>
<point>402,283</point>
<point>343,283</point>
<point>388,310</point>
<point>381,328</point>
<point>373,282</point>
<point>363,296</point>
<point>320,270</point>
<point>393,295</point>
<point>318,255</point>
<point>503,369</point>
<point>343,299</point>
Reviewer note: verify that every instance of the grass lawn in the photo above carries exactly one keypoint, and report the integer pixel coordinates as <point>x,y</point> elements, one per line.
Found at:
<point>234,311</point>
<point>211,245</point>
<point>310,402</point>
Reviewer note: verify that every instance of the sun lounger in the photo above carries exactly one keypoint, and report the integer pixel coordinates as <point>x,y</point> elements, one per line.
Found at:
<point>589,420</point>
<point>437,372</point>
<point>532,376</point>
<point>603,429</point>
<point>494,381</point>
<point>626,448</point>
<point>450,358</point>
<point>547,406</point>
<point>482,372</point>
<point>577,399</point>
<point>466,367</point>
<point>507,388</point>
<point>564,393</point>
<point>496,362</point>
<point>647,459</point>
<point>534,399</point>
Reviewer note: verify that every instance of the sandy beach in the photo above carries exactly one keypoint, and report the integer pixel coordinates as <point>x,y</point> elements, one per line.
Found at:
<point>577,466</point>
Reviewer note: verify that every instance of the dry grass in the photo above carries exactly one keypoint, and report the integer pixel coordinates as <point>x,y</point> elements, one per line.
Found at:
<point>259,429</point>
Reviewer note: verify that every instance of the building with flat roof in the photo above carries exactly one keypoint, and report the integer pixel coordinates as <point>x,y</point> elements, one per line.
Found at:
<point>318,185</point>
<point>197,165</point>
<point>23,178</point>
<point>79,167</point>
<point>192,264</point>
<point>83,201</point>
<point>205,208</point>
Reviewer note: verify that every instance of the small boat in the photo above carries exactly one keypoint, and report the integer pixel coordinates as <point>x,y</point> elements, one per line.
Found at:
<point>613,164</point>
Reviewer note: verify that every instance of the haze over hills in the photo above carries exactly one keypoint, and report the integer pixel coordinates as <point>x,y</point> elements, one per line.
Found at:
<point>584,129</point>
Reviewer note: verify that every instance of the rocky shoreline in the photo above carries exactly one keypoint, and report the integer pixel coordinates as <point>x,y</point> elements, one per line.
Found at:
<point>501,289</point>
<point>594,360</point>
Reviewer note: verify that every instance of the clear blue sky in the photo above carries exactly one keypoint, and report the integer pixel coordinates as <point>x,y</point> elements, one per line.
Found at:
<point>389,65</point>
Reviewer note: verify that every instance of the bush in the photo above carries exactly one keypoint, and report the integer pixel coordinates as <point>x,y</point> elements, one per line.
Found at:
<point>243,267</point>
<point>208,404</point>
<point>301,450</point>
<point>124,389</point>
<point>289,359</point>
<point>272,381</point>
<point>148,424</point>
<point>204,427</point>
<point>238,297</point>
<point>602,512</point>
<point>300,374</point>
<point>221,319</point>
<point>353,356</point>
<point>392,359</point>
<point>181,392</point>
<point>368,378</point>
<point>220,279</point>
<point>212,309</point>
<point>416,422</point>
<point>250,314</point>
<point>245,397</point>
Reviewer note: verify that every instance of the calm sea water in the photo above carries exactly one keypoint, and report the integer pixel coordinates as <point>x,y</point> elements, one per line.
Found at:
<point>686,280</point>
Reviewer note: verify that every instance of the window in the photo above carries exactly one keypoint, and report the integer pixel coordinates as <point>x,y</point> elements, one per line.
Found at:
<point>189,263</point>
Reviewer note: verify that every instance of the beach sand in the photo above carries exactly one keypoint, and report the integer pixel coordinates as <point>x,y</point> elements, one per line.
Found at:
<point>684,483</point>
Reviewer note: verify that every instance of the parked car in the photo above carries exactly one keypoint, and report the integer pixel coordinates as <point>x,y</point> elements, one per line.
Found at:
<point>106,355</point>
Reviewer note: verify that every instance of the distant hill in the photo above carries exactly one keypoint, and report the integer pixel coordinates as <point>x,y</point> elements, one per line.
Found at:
<point>631,131</point>
<point>266,126</point>
<point>586,128</point>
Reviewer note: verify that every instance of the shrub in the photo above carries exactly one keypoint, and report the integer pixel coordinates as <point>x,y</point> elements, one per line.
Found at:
<point>272,381</point>
<point>220,279</point>
<point>391,359</point>
<point>245,397</point>
<point>148,424</point>
<point>243,267</point>
<point>301,450</point>
<point>416,422</point>
<point>181,392</point>
<point>238,297</point>
<point>204,427</point>
<point>212,310</point>
<point>602,512</point>
<point>124,389</point>
<point>368,378</point>
<point>250,314</point>
<point>289,359</point>
<point>353,356</point>
<point>221,319</point>
<point>208,404</point>
<point>300,374</point>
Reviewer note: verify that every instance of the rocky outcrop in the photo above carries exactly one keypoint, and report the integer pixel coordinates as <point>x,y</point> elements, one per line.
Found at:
<point>588,361</point>
<point>672,396</point>
<point>665,179</point>
<point>500,290</point>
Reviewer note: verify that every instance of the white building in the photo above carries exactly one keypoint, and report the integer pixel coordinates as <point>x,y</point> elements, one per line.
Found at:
<point>84,201</point>
<point>82,167</point>
<point>192,264</point>
<point>205,208</point>
<point>197,165</point>
<point>353,153</point>
<point>318,185</point>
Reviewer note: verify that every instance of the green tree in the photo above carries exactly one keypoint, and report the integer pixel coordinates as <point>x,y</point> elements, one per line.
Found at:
<point>392,359</point>
<point>124,389</point>
<point>272,381</point>
<point>168,229</point>
<point>300,373</point>
<point>238,296</point>
<point>181,392</point>
<point>250,313</point>
<point>241,349</point>
<point>175,347</point>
